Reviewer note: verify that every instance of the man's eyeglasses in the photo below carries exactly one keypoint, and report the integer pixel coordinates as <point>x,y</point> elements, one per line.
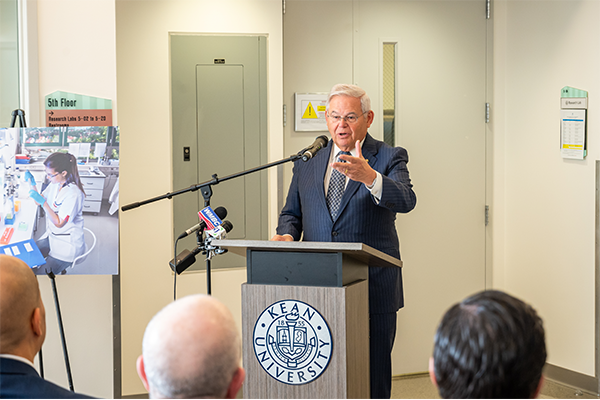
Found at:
<point>351,119</point>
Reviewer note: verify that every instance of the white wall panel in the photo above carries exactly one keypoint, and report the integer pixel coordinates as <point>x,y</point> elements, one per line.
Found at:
<point>144,102</point>
<point>76,50</point>
<point>544,244</point>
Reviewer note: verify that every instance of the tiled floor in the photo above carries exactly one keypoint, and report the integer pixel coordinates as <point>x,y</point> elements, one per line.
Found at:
<point>420,387</point>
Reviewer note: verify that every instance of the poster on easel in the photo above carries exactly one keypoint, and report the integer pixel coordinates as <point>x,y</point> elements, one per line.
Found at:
<point>61,198</point>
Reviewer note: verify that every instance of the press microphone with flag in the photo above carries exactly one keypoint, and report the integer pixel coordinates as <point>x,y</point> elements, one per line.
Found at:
<point>210,218</point>
<point>318,144</point>
<point>221,231</point>
<point>221,213</point>
<point>186,258</point>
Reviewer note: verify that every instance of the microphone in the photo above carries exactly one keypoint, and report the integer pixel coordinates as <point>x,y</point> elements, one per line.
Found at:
<point>228,226</point>
<point>221,231</point>
<point>184,260</point>
<point>221,213</point>
<point>317,145</point>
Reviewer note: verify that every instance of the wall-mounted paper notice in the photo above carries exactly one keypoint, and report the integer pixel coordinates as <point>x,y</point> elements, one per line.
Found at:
<point>572,134</point>
<point>310,111</point>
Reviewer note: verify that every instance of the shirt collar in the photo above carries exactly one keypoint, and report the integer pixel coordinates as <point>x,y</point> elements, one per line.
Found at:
<point>336,149</point>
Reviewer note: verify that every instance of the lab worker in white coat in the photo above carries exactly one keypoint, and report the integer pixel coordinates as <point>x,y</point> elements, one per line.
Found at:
<point>62,201</point>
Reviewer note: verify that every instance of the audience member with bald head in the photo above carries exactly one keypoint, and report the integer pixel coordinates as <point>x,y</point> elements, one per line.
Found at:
<point>192,349</point>
<point>22,333</point>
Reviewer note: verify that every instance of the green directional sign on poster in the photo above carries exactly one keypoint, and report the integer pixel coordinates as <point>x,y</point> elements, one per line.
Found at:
<point>71,101</point>
<point>71,109</point>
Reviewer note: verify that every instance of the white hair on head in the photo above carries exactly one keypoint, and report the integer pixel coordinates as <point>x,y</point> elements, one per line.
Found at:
<point>191,349</point>
<point>344,89</point>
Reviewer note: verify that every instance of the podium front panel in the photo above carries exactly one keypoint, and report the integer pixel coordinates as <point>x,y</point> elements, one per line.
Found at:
<point>346,371</point>
<point>303,268</point>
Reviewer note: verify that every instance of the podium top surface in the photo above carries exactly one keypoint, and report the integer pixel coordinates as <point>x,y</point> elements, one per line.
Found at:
<point>359,251</point>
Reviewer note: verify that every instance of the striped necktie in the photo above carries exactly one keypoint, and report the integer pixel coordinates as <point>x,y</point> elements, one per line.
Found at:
<point>337,185</point>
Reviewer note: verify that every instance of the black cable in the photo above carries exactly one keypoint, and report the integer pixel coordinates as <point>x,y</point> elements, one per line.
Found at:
<point>41,360</point>
<point>175,270</point>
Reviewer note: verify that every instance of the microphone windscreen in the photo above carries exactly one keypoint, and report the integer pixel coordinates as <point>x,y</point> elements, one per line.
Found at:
<point>324,140</point>
<point>221,212</point>
<point>228,226</point>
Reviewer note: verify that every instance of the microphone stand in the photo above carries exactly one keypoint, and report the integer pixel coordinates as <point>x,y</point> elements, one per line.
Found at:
<point>206,190</point>
<point>210,252</point>
<point>206,187</point>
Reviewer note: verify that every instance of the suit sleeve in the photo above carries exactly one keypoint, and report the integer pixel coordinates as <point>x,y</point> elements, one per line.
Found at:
<point>397,194</point>
<point>290,219</point>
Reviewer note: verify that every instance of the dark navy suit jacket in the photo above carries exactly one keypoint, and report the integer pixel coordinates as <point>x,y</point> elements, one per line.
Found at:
<point>20,381</point>
<point>360,218</point>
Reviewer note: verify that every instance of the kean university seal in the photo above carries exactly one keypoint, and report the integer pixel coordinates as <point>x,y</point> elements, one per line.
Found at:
<point>292,342</point>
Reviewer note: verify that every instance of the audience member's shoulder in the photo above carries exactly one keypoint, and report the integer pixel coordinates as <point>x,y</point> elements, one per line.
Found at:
<point>62,393</point>
<point>21,381</point>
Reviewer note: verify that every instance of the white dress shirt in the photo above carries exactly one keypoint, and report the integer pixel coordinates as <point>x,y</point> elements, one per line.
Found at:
<point>377,187</point>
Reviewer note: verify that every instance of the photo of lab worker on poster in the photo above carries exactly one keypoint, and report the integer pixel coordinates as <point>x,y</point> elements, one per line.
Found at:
<point>60,199</point>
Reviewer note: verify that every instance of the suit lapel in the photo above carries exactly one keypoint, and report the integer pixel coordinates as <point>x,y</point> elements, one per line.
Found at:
<point>369,152</point>
<point>320,168</point>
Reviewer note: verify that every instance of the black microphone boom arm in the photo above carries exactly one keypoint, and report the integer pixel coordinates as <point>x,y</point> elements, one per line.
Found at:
<point>206,187</point>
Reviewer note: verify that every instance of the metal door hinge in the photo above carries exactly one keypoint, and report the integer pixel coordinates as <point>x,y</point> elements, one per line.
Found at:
<point>488,8</point>
<point>487,215</point>
<point>283,6</point>
<point>284,115</point>
<point>487,112</point>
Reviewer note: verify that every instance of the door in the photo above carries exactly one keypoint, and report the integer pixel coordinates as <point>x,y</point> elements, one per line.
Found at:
<point>218,91</point>
<point>440,120</point>
<point>439,117</point>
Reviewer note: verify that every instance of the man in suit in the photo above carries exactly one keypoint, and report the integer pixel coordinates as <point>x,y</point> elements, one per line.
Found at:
<point>192,349</point>
<point>22,332</point>
<point>489,346</point>
<point>354,197</point>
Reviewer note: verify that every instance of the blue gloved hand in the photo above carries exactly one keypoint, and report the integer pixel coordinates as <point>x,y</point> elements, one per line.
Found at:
<point>29,177</point>
<point>38,198</point>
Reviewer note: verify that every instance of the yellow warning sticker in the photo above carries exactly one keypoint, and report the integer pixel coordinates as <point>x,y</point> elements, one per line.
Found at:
<point>310,113</point>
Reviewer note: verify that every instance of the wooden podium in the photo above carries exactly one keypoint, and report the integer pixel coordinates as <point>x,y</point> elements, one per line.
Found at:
<point>305,318</point>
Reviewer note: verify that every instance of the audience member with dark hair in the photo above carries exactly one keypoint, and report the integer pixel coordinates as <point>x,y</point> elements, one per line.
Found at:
<point>491,345</point>
<point>192,349</point>
<point>22,332</point>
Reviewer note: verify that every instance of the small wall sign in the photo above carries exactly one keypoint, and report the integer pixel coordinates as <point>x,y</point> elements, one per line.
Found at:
<point>310,111</point>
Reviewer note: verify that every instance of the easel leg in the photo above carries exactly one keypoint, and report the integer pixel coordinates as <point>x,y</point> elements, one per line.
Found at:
<point>62,331</point>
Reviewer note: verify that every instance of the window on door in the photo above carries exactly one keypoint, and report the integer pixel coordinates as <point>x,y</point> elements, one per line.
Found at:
<point>389,93</point>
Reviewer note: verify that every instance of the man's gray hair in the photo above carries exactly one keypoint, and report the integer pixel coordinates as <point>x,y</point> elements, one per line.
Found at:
<point>344,89</point>
<point>191,349</point>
